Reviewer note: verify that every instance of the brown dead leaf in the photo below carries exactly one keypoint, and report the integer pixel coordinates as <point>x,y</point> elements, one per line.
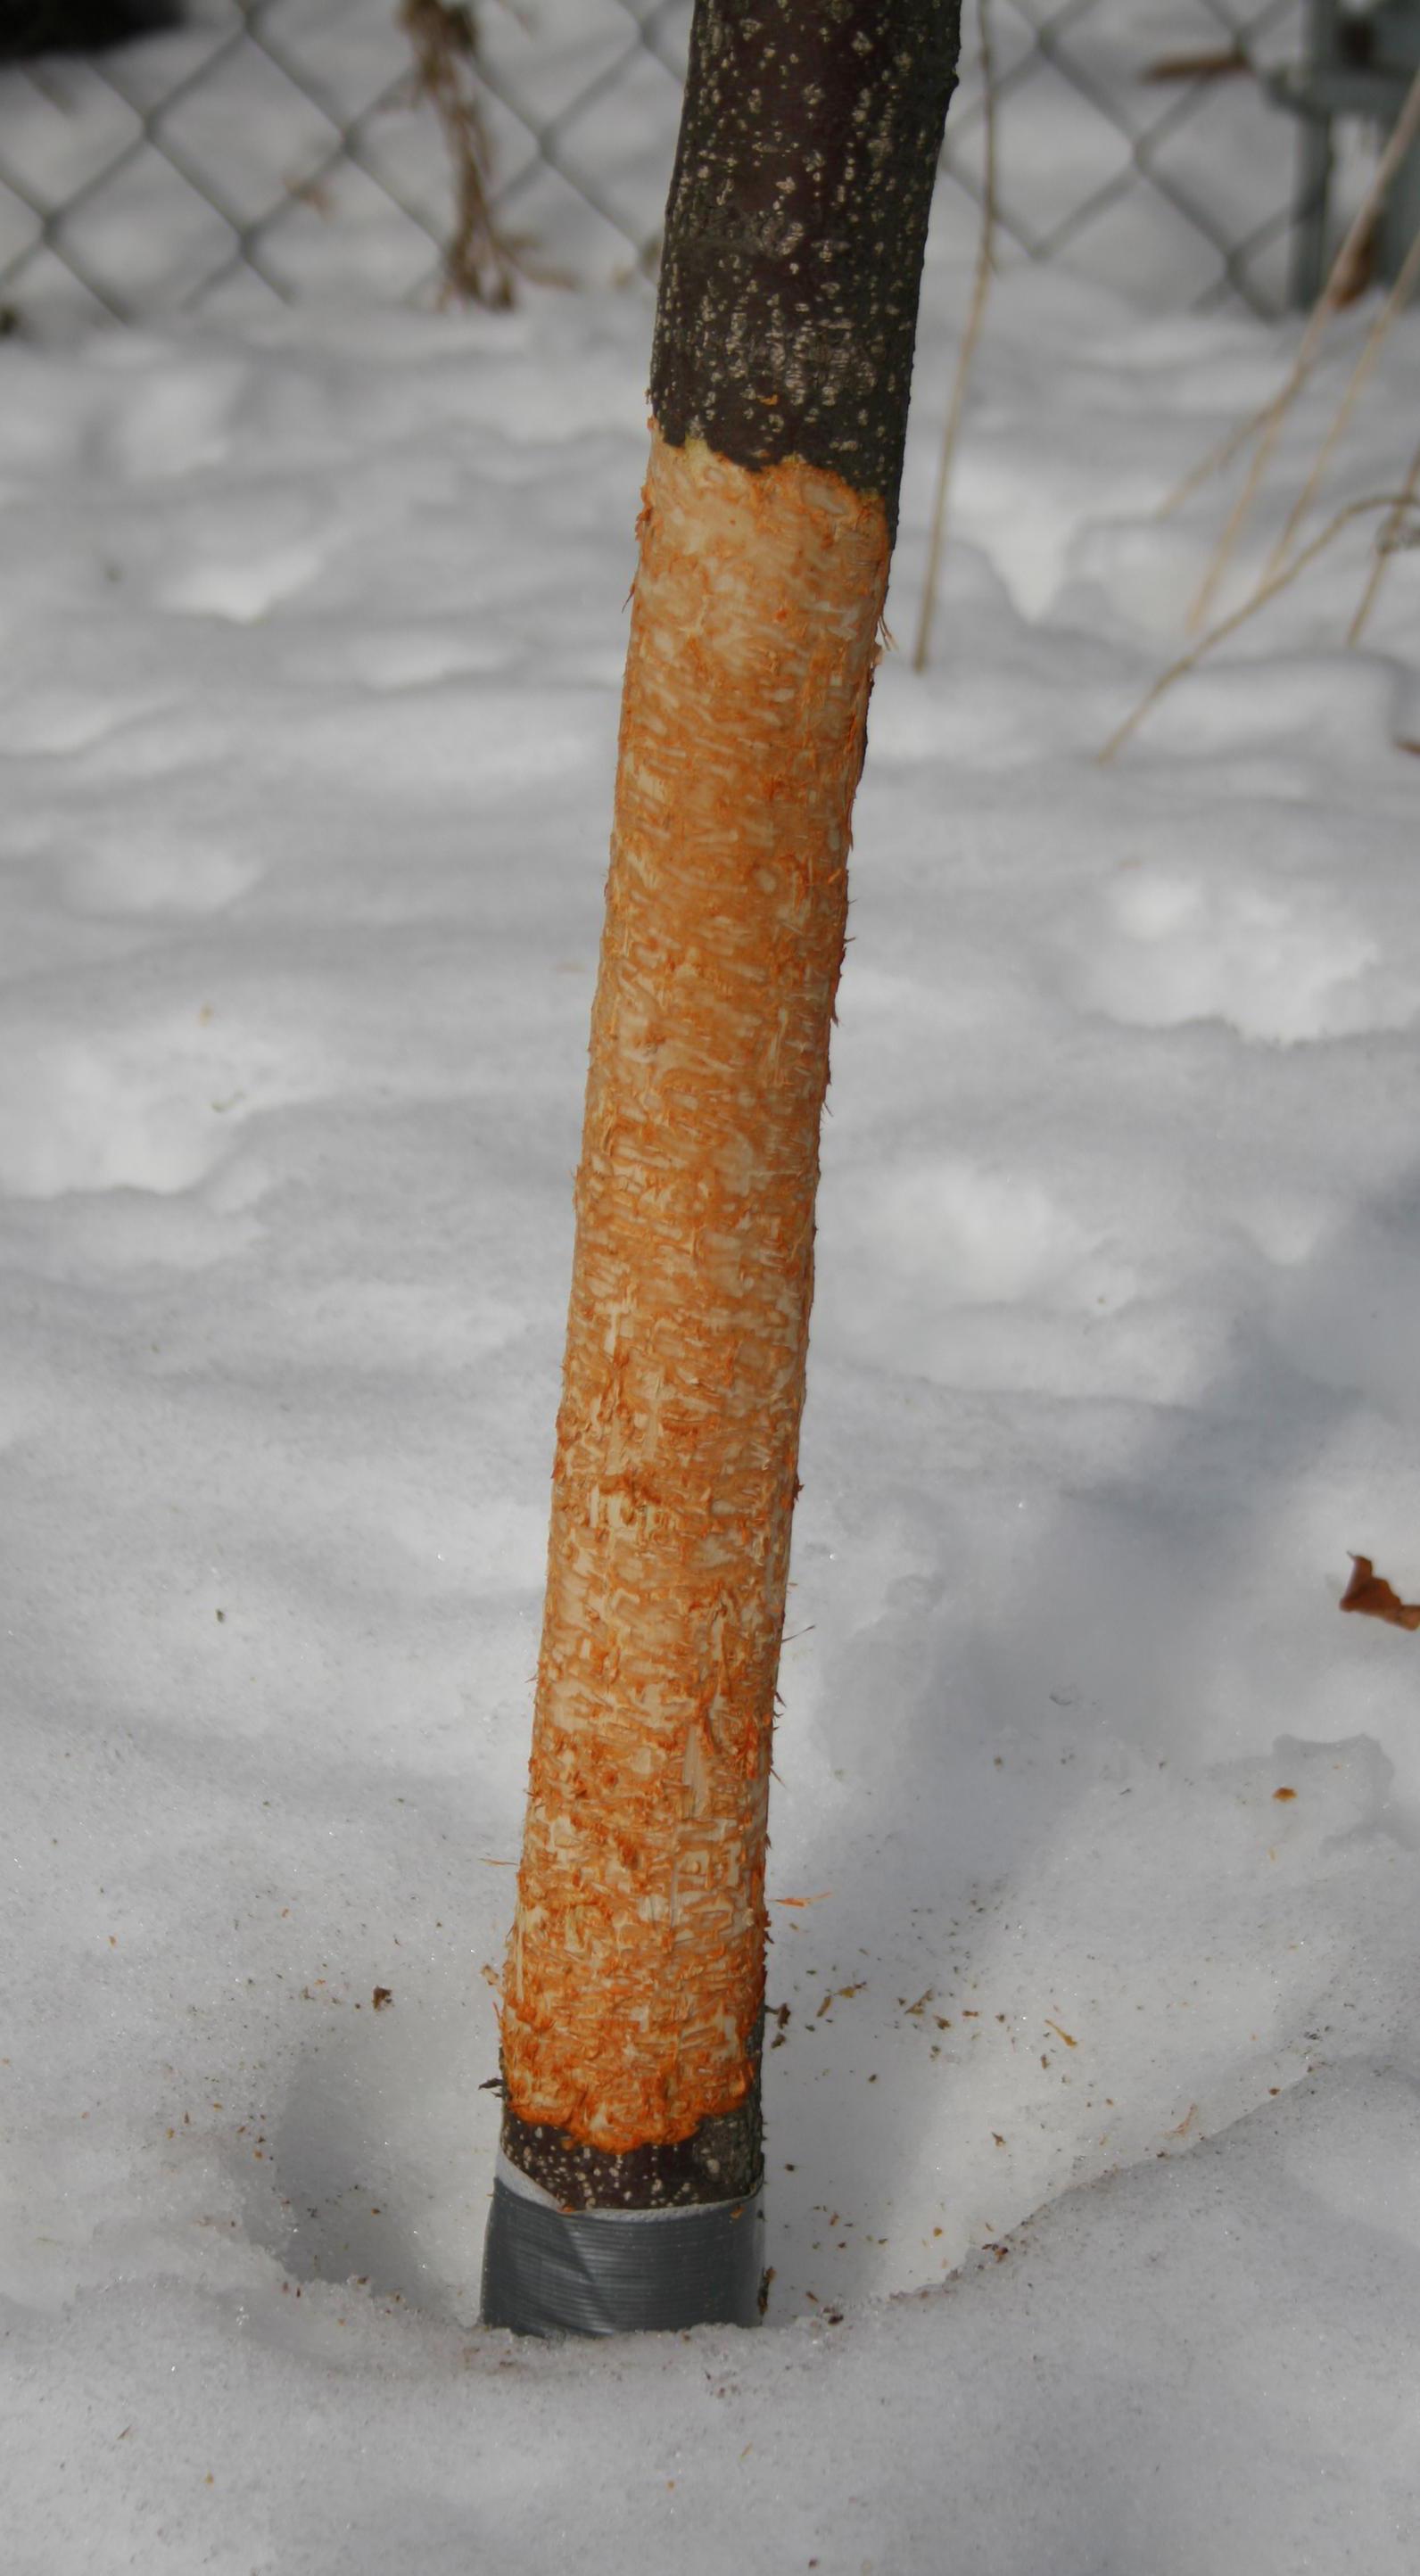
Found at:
<point>1370,1593</point>
<point>381,1997</point>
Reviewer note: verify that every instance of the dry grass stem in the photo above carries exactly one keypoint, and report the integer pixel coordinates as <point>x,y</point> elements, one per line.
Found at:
<point>1217,458</point>
<point>1395,502</point>
<point>478,266</point>
<point>1212,63</point>
<point>1334,294</point>
<point>1388,543</point>
<point>1376,337</point>
<point>976,315</point>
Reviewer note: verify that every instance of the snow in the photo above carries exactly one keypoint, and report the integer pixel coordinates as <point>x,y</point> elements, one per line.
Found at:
<point>1093,2204</point>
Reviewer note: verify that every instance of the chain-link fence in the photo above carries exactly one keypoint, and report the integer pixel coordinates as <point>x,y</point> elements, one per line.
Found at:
<point>282,148</point>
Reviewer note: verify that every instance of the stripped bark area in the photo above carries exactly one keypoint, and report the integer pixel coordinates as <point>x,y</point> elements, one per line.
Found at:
<point>634,1992</point>
<point>635,1977</point>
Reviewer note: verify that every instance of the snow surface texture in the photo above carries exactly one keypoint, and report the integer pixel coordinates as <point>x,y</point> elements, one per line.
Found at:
<point>1094,2184</point>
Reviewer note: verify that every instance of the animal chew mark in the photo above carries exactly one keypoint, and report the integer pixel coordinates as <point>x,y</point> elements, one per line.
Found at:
<point>634,1984</point>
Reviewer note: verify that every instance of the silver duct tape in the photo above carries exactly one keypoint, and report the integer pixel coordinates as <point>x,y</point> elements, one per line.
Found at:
<point>550,2271</point>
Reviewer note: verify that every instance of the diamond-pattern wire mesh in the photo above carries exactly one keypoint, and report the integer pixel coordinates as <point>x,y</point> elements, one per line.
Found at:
<point>278,149</point>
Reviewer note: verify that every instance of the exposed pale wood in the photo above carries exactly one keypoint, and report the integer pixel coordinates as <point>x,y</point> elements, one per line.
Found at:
<point>635,1974</point>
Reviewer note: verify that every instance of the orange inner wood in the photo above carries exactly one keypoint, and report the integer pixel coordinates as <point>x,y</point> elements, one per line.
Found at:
<point>636,1965</point>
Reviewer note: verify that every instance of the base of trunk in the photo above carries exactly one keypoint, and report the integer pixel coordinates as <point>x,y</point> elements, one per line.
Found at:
<point>723,2159</point>
<point>552,2271</point>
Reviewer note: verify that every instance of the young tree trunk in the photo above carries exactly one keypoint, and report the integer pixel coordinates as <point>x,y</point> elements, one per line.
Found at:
<point>633,1999</point>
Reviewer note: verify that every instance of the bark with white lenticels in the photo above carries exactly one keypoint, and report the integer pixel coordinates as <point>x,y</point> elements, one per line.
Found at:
<point>795,231</point>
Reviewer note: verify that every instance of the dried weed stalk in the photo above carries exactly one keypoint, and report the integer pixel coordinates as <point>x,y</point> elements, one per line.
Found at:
<point>478,265</point>
<point>1337,291</point>
<point>1394,538</point>
<point>1398,297</point>
<point>1221,455</point>
<point>1398,504</point>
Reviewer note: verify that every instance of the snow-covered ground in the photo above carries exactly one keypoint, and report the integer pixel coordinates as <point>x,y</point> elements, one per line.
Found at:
<point>1094,2203</point>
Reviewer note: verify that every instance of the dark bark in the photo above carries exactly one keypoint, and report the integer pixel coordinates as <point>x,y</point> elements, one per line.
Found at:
<point>795,231</point>
<point>723,2160</point>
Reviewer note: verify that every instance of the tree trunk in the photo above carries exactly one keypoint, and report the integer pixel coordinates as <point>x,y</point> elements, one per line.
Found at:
<point>630,2169</point>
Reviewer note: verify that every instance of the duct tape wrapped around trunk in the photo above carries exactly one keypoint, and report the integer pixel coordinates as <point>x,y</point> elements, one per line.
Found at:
<point>552,2271</point>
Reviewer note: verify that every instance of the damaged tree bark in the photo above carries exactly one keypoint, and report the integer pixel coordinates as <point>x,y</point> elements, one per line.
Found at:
<point>633,1999</point>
